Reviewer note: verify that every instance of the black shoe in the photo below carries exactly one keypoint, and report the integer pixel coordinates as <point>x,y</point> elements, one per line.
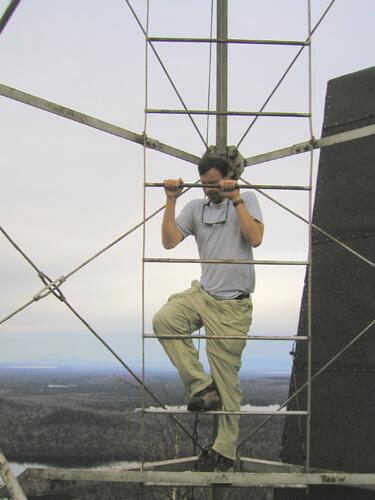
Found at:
<point>205,400</point>
<point>210,460</point>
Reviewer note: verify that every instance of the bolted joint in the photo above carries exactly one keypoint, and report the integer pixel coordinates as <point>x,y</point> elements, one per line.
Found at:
<point>51,287</point>
<point>231,155</point>
<point>150,143</point>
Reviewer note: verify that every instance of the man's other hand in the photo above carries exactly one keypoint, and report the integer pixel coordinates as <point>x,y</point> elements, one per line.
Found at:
<point>172,187</point>
<point>229,189</point>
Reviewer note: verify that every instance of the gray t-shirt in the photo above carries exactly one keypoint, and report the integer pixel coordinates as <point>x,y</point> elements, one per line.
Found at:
<point>217,239</point>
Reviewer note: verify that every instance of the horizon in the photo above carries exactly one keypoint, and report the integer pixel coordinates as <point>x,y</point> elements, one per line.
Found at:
<point>115,369</point>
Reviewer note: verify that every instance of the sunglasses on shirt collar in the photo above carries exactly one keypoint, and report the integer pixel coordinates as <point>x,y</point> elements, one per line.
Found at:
<point>212,217</point>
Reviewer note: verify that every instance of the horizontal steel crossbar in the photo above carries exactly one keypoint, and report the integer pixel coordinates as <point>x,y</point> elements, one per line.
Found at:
<point>203,479</point>
<point>278,114</point>
<point>162,411</point>
<point>226,40</point>
<point>238,186</point>
<point>229,261</point>
<point>232,337</point>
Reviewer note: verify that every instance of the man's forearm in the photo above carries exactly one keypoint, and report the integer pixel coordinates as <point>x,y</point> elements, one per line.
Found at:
<point>251,229</point>
<point>171,236</point>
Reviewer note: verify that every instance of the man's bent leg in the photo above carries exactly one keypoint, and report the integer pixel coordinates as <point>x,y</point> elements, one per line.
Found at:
<point>226,378</point>
<point>179,316</point>
<point>232,318</point>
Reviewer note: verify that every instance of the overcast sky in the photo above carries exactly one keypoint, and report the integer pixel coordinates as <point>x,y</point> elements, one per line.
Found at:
<point>68,190</point>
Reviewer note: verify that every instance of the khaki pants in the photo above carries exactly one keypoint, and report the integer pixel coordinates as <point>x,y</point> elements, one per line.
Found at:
<point>188,311</point>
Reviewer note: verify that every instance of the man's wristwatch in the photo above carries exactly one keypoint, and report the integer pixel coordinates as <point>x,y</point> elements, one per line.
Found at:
<point>238,202</point>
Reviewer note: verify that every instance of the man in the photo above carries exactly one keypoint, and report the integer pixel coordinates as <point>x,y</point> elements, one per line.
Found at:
<point>226,225</point>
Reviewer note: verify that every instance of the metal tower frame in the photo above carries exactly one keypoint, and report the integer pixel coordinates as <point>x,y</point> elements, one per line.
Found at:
<point>260,473</point>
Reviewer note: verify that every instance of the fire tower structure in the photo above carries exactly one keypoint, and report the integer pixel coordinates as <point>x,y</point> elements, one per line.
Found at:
<point>300,469</point>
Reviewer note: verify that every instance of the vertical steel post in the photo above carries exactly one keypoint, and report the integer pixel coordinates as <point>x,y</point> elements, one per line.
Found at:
<point>143,426</point>
<point>221,121</point>
<point>216,491</point>
<point>222,75</point>
<point>221,96</point>
<point>310,268</point>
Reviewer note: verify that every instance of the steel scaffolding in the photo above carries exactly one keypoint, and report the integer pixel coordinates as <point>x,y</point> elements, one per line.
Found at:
<point>221,148</point>
<point>258,473</point>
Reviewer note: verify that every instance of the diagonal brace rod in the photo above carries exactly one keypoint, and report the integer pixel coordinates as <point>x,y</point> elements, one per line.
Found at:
<point>304,147</point>
<point>165,71</point>
<point>49,289</point>
<point>9,11</point>
<point>316,374</point>
<point>90,121</point>
<point>285,73</point>
<point>315,227</point>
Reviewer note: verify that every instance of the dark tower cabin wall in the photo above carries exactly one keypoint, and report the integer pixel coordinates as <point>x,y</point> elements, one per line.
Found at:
<point>343,299</point>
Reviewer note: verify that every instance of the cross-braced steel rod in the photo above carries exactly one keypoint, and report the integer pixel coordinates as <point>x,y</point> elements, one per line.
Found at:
<point>165,70</point>
<point>315,227</point>
<point>8,14</point>
<point>316,374</point>
<point>291,64</point>
<point>53,287</point>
